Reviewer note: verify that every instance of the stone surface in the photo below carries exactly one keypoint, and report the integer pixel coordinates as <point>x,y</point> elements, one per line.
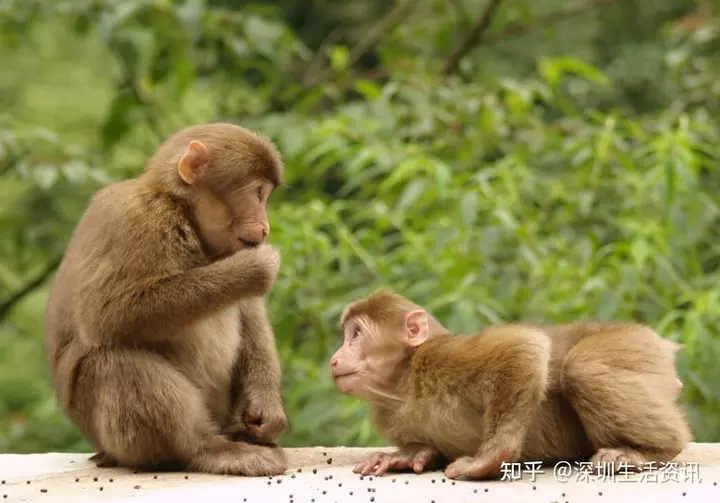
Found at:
<point>71,477</point>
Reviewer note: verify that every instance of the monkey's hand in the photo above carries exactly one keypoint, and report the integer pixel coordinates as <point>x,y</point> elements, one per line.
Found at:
<point>256,268</point>
<point>487,466</point>
<point>415,458</point>
<point>265,418</point>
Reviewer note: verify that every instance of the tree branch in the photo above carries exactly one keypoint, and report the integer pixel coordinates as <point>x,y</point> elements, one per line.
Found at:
<point>34,283</point>
<point>474,36</point>
<point>374,35</point>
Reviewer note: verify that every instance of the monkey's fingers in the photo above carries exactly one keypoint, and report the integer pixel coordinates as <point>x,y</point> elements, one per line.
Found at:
<point>390,462</point>
<point>422,460</point>
<point>367,466</point>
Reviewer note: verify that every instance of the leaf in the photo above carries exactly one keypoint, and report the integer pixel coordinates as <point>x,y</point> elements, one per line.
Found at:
<point>339,57</point>
<point>410,195</point>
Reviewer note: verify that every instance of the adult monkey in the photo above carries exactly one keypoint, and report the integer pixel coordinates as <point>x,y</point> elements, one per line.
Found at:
<point>160,347</point>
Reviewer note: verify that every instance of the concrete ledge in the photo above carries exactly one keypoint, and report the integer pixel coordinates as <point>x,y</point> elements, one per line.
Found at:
<point>323,475</point>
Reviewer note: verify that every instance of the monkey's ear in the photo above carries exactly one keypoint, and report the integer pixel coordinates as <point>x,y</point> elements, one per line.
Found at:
<point>195,157</point>
<point>417,329</point>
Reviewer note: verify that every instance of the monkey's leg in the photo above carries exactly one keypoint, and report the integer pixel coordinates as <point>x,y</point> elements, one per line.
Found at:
<point>103,460</point>
<point>146,413</point>
<point>623,387</point>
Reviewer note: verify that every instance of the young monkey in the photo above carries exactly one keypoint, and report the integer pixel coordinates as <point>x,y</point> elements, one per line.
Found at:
<point>510,393</point>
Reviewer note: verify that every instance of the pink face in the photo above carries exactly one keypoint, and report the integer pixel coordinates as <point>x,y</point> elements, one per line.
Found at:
<point>370,354</point>
<point>349,363</point>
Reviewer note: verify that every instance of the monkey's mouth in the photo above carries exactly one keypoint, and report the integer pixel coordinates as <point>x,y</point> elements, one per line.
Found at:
<point>249,244</point>
<point>346,374</point>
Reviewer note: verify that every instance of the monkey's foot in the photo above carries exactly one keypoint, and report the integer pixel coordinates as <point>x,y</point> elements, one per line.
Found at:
<point>415,460</point>
<point>225,457</point>
<point>483,467</point>
<point>617,460</point>
<point>104,460</point>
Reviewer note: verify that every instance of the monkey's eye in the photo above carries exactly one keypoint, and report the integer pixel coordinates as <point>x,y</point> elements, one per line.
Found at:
<point>355,333</point>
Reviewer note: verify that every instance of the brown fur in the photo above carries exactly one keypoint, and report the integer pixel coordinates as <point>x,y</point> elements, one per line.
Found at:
<point>604,391</point>
<point>159,344</point>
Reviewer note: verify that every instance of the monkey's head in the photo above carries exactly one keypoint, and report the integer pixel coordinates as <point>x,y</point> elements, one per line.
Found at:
<point>380,334</point>
<point>227,174</point>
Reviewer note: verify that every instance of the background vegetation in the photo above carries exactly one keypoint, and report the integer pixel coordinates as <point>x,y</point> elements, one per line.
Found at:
<point>539,160</point>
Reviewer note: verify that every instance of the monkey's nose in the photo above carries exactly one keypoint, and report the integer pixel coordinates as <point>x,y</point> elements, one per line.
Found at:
<point>334,362</point>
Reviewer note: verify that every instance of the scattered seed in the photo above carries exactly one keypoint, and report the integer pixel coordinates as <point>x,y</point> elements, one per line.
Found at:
<point>324,492</point>
<point>77,479</point>
<point>474,490</point>
<point>453,482</point>
<point>683,494</point>
<point>279,480</point>
<point>314,470</point>
<point>393,480</point>
<point>136,487</point>
<point>155,476</point>
<point>362,477</point>
<point>563,495</point>
<point>95,479</point>
<point>600,493</point>
<point>329,461</point>
<point>299,470</point>
<point>292,476</point>
<point>407,482</point>
<point>350,493</point>
<point>112,479</point>
<point>45,490</point>
<point>101,488</point>
<point>339,484</point>
<point>186,477</point>
<point>28,481</point>
<point>324,453</point>
<point>433,481</point>
<point>486,489</point>
<point>269,482</point>
<point>534,488</point>
<point>372,498</point>
<point>370,479</point>
<point>4,495</point>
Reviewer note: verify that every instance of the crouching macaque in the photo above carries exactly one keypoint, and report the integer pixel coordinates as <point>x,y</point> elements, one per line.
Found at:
<point>160,347</point>
<point>515,393</point>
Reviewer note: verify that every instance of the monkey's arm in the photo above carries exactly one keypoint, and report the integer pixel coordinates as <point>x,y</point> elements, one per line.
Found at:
<point>111,309</point>
<point>517,381</point>
<point>259,408</point>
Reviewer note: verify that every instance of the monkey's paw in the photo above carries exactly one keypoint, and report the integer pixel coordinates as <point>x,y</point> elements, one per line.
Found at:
<point>265,419</point>
<point>617,460</point>
<point>416,460</point>
<point>483,467</point>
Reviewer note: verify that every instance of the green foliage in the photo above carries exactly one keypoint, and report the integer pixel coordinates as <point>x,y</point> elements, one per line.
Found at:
<point>566,181</point>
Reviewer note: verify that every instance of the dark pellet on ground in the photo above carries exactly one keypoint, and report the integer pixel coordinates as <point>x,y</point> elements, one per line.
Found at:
<point>155,476</point>
<point>314,470</point>
<point>299,470</point>
<point>330,476</point>
<point>269,482</point>
<point>324,492</point>
<point>407,481</point>
<point>112,479</point>
<point>340,484</point>
<point>186,477</point>
<point>95,479</point>
<point>326,478</point>
<point>2,481</point>
<point>534,488</point>
<point>324,453</point>
<point>453,482</point>
<point>683,494</point>
<point>292,476</point>
<point>136,487</point>
<point>77,479</point>
<point>329,461</point>
<point>369,490</point>
<point>563,495</point>
<point>433,481</point>
<point>279,480</point>
<point>4,495</point>
<point>474,490</point>
<point>600,493</point>
<point>28,481</point>
<point>486,489</point>
<point>362,477</point>
<point>45,490</point>
<point>370,479</point>
<point>372,498</point>
<point>100,488</point>
<point>393,480</point>
<point>443,480</point>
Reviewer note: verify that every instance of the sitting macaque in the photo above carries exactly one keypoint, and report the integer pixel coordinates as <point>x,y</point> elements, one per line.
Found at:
<point>160,347</point>
<point>513,393</point>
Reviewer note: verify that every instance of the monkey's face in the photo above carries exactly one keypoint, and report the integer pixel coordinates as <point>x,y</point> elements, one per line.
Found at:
<point>237,220</point>
<point>368,359</point>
